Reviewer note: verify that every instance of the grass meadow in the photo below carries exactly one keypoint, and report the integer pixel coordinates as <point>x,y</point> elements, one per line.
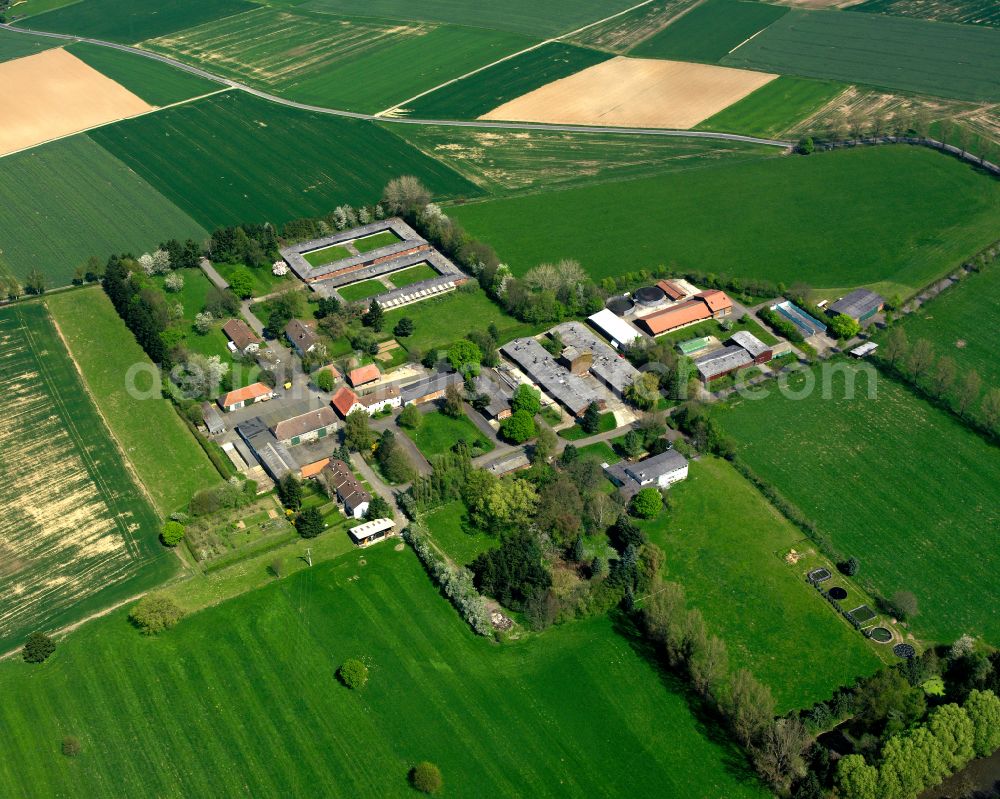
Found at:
<point>902,486</point>
<point>414,274</point>
<point>774,108</point>
<point>241,700</point>
<point>233,159</point>
<point>438,433</point>
<point>960,323</point>
<point>505,162</point>
<point>362,290</point>
<point>164,454</point>
<point>155,82</point>
<point>70,199</point>
<point>19,45</point>
<point>889,217</point>
<point>477,94</point>
<point>76,534</point>
<point>375,240</point>
<point>709,31</point>
<point>359,63</point>
<point>956,61</point>
<point>28,8</point>
<point>725,544</point>
<point>132,20</point>
<point>453,534</point>
<point>518,16</point>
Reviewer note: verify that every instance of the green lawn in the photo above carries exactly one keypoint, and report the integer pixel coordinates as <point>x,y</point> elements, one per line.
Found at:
<point>355,62</point>
<point>361,291</point>
<point>600,451</point>
<point>713,328</point>
<point>327,255</point>
<point>76,533</point>
<point>900,485</point>
<point>132,20</point>
<point>775,107</point>
<point>957,61</point>
<point>376,240</point>
<point>168,461</point>
<point>575,433</point>
<point>709,31</point>
<point>407,277</point>
<point>242,700</point>
<point>441,321</point>
<point>912,214</point>
<point>725,543</point>
<point>18,45</point>
<point>155,82</point>
<point>234,158</point>
<point>70,199</point>
<point>960,323</point>
<point>505,162</point>
<point>438,433</point>
<point>450,529</point>
<point>477,94</point>
<point>518,16</point>
<point>264,280</point>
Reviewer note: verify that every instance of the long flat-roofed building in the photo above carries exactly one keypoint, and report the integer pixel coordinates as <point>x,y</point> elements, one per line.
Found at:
<point>619,332</point>
<point>606,365</point>
<point>569,390</point>
<point>711,304</point>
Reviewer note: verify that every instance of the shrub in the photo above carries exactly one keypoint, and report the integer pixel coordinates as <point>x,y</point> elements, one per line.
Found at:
<point>155,613</point>
<point>411,417</point>
<point>71,746</point>
<point>426,777</point>
<point>647,503</point>
<point>805,146</point>
<point>844,327</point>
<point>849,567</point>
<point>324,380</point>
<point>403,328</point>
<point>172,533</point>
<point>353,673</point>
<point>518,427</point>
<point>37,648</point>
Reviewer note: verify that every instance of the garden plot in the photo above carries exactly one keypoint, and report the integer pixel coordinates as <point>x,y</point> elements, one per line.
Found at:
<point>53,94</point>
<point>633,92</point>
<point>74,530</point>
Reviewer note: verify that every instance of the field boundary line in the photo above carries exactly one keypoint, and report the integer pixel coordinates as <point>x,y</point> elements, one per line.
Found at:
<point>758,33</point>
<point>508,57</point>
<point>133,472</point>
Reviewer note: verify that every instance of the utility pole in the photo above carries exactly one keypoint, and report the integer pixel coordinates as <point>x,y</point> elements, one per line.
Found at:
<point>309,556</point>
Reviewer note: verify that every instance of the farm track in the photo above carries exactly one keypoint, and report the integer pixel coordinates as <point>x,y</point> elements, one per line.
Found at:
<point>232,84</point>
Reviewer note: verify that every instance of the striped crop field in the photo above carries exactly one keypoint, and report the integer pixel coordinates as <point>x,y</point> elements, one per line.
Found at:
<point>76,534</point>
<point>242,700</point>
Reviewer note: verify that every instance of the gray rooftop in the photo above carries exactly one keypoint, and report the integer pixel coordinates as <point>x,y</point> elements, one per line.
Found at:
<point>608,365</point>
<point>412,392</point>
<point>750,343</point>
<point>273,456</point>
<point>569,390</point>
<point>652,468</point>
<point>499,395</point>
<point>856,304</point>
<point>721,361</point>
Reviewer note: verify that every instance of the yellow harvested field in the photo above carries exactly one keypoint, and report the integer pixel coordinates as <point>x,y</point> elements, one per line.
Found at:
<point>635,92</point>
<point>54,94</point>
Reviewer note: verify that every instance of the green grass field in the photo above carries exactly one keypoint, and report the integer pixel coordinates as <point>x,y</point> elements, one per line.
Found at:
<point>19,45</point>
<point>960,323</point>
<point>407,277</point>
<point>438,433</point>
<point>441,321</point>
<point>374,241</point>
<point>264,280</point>
<point>359,63</point>
<point>28,8</point>
<point>774,108</point>
<point>155,82</point>
<point>772,621</point>
<point>242,699</point>
<point>361,290</point>
<point>970,12</point>
<point>709,31</point>
<point>477,94</point>
<point>450,529</point>
<point>76,534</point>
<point>518,16</point>
<point>575,433</point>
<point>167,459</point>
<point>890,217</point>
<point>958,61</point>
<point>68,200</point>
<point>506,162</point>
<point>234,159</point>
<point>132,20</point>
<point>327,255</point>
<point>600,451</point>
<point>896,483</point>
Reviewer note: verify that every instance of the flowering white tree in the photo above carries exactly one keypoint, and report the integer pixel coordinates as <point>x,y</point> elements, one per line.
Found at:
<point>161,262</point>
<point>364,216</point>
<point>279,268</point>
<point>201,376</point>
<point>174,282</point>
<point>177,311</point>
<point>147,263</point>
<point>203,322</point>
